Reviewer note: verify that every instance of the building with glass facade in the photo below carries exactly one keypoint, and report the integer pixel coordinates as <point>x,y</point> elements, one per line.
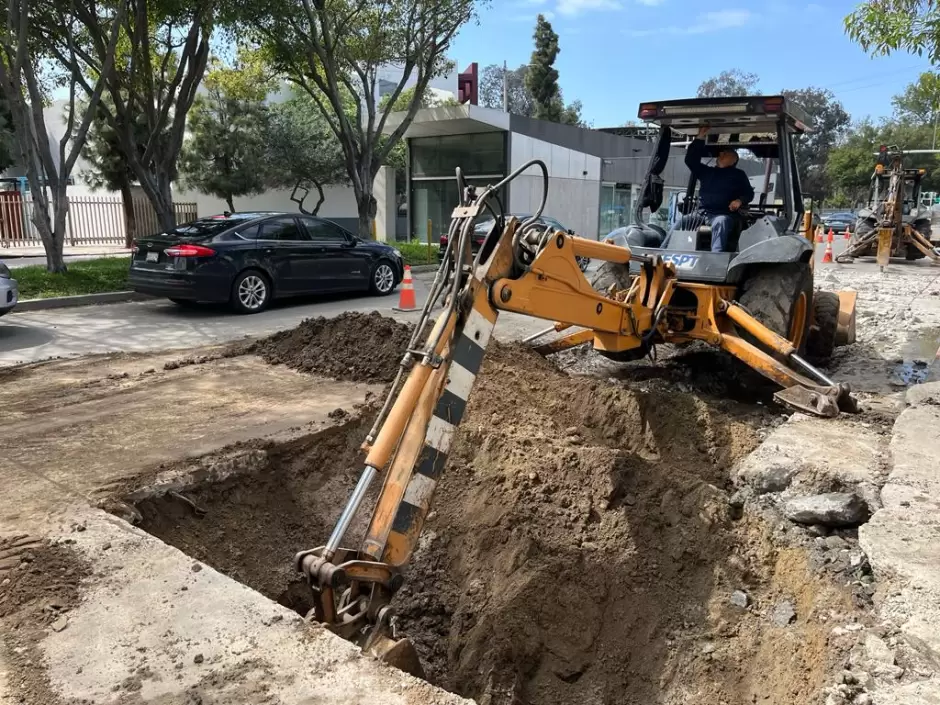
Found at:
<point>595,176</point>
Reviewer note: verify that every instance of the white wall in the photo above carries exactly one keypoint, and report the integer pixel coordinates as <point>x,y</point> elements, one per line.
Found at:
<point>339,202</point>
<point>573,188</point>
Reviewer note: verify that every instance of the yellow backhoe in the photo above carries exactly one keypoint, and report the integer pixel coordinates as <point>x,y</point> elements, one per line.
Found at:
<point>528,268</point>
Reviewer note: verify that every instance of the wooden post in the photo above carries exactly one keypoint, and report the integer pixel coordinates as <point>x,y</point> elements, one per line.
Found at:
<point>430,224</point>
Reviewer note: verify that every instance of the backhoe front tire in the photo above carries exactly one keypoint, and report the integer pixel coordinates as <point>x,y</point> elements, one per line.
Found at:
<point>780,297</point>
<point>611,274</point>
<point>822,334</point>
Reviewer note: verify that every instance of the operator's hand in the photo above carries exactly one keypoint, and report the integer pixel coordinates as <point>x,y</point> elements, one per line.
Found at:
<point>735,204</point>
<point>702,131</point>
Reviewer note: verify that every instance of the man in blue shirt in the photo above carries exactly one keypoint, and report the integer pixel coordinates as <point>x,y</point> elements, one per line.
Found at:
<point>723,189</point>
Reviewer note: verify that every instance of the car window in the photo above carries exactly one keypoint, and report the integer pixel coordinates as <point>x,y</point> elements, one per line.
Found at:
<point>250,233</point>
<point>323,231</point>
<point>282,230</point>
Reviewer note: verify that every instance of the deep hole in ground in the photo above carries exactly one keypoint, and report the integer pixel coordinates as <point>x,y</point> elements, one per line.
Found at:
<point>582,548</point>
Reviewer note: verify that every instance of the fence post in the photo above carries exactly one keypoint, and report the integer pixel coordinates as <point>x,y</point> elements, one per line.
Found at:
<point>71,226</point>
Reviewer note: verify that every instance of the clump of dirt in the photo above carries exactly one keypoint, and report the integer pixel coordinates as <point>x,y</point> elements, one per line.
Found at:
<point>40,583</point>
<point>364,347</point>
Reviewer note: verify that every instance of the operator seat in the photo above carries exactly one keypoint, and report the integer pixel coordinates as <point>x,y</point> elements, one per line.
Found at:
<point>703,230</point>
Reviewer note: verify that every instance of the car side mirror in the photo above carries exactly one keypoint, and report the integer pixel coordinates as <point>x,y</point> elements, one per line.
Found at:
<point>570,231</point>
<point>350,241</point>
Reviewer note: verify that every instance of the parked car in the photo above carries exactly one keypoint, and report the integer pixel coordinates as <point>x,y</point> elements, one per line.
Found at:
<point>839,222</point>
<point>9,291</point>
<point>481,229</point>
<point>248,259</point>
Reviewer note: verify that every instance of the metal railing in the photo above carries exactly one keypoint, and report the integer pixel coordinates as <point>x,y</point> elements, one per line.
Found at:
<point>91,220</point>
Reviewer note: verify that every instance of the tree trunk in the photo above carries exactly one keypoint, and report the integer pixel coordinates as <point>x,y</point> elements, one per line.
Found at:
<point>130,216</point>
<point>49,219</point>
<point>368,207</point>
<point>230,203</point>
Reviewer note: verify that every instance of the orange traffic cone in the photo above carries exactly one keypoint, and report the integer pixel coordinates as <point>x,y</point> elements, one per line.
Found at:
<point>406,297</point>
<point>846,235</point>
<point>827,255</point>
<point>819,233</point>
<point>830,235</point>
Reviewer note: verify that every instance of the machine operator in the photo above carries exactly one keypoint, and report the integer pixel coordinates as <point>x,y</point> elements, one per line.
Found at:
<point>723,189</point>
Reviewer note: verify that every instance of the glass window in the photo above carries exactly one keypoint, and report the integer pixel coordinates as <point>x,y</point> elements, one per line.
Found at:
<point>616,207</point>
<point>282,229</point>
<point>435,201</point>
<point>482,153</point>
<point>323,231</point>
<point>249,233</point>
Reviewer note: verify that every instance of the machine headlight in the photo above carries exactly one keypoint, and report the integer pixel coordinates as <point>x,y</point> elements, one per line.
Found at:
<point>4,271</point>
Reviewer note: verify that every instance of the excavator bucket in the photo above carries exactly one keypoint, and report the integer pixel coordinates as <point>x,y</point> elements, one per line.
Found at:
<point>845,331</point>
<point>399,653</point>
<point>819,401</point>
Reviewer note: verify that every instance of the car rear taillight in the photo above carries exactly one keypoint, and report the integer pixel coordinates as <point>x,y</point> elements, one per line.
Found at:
<point>647,110</point>
<point>443,241</point>
<point>188,251</point>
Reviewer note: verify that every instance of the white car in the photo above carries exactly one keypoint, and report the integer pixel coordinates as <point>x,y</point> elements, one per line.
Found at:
<point>9,291</point>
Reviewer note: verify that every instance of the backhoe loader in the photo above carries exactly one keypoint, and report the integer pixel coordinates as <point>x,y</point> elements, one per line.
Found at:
<point>894,224</point>
<point>526,267</point>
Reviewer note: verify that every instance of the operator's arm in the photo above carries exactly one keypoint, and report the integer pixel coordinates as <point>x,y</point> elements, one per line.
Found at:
<point>694,154</point>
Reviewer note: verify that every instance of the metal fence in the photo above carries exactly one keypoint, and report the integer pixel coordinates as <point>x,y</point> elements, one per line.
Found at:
<point>91,220</point>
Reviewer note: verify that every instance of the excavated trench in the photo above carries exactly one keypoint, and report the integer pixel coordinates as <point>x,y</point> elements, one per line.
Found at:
<point>583,546</point>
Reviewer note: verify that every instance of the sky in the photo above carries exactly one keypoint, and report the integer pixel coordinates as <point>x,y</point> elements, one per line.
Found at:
<point>618,53</point>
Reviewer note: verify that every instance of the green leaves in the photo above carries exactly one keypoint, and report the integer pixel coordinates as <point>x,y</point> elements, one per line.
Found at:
<point>541,79</point>
<point>882,27</point>
<point>226,154</point>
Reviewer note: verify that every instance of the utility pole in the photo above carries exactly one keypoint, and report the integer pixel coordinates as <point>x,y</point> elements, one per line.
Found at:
<point>506,90</point>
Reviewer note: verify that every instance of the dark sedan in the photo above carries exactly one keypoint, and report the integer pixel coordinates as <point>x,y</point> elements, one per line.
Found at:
<point>249,259</point>
<point>482,228</point>
<point>838,222</point>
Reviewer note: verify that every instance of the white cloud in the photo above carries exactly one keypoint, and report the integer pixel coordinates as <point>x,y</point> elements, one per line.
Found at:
<point>704,24</point>
<point>651,3</point>
<point>576,7</point>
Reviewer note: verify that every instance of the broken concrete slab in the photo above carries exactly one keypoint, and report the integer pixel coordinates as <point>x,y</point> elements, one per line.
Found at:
<point>146,611</point>
<point>812,454</point>
<point>835,509</point>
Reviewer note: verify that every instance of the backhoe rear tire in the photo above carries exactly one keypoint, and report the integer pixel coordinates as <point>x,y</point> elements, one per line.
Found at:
<point>780,297</point>
<point>822,335</point>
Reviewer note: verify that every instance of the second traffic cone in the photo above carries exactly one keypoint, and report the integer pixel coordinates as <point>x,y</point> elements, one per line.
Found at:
<point>819,233</point>
<point>830,235</point>
<point>827,255</point>
<point>406,296</point>
<point>846,235</point>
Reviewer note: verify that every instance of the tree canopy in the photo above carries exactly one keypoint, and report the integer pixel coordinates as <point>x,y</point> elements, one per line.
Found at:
<point>729,83</point>
<point>888,26</point>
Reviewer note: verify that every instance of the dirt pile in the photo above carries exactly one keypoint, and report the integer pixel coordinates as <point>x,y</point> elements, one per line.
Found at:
<point>363,347</point>
<point>584,548</point>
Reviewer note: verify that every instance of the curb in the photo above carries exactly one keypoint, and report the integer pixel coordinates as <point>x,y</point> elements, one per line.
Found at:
<point>109,297</point>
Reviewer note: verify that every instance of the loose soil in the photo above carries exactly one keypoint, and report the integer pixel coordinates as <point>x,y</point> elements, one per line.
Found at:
<point>583,546</point>
<point>365,347</point>
<point>40,584</point>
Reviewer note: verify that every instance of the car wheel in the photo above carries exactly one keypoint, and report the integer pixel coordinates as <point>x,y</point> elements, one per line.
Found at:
<point>382,281</point>
<point>251,292</point>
